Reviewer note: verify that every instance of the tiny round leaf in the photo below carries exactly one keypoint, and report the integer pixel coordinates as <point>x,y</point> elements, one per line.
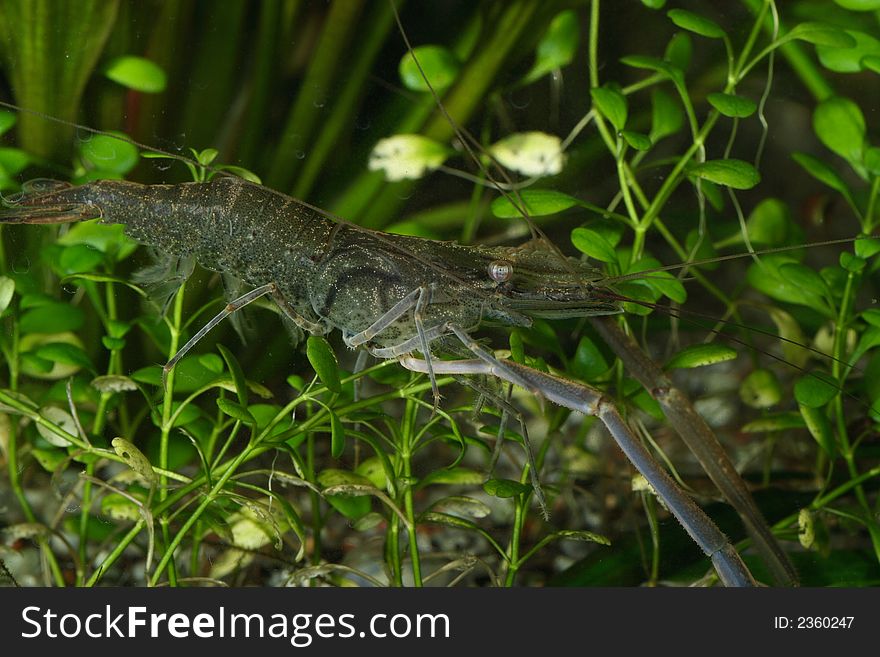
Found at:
<point>695,23</point>
<point>137,73</point>
<point>439,65</point>
<point>700,355</point>
<point>732,173</point>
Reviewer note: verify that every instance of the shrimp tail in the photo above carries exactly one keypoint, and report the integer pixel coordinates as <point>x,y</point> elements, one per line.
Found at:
<point>47,202</point>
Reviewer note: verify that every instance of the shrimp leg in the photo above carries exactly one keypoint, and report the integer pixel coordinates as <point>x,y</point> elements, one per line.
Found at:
<point>417,300</point>
<point>507,409</point>
<point>579,397</point>
<point>237,304</point>
<point>702,443</point>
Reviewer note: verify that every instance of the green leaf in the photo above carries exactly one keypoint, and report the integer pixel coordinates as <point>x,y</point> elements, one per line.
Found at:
<point>110,239</point>
<point>803,277</point>
<point>637,140</point>
<point>588,362</point>
<point>211,362</point>
<point>373,469</point>
<point>151,375</point>
<point>871,63</point>
<point>533,153</point>
<point>241,172</point>
<point>107,153</point>
<point>872,160</point>
<point>581,535</point>
<point>872,381</point>
<point>134,458</point>
<point>700,355</point>
<point>769,224</point>
<point>611,230</point>
<point>695,23</point>
<point>333,477</point>
<point>65,353</point>
<point>113,383</point>
<point>447,520</point>
<point>840,125</point>
<point>731,173</point>
<point>557,47</point>
<point>852,263</point>
<point>136,73</point>
<point>821,34</point>
<point>775,422</point>
<point>859,5</point>
<point>49,459</point>
<point>713,194</point>
<point>815,390</point>
<point>79,258</point>
<point>654,4</point>
<point>323,361</point>
<point>868,340</point>
<point>666,285</point>
<point>819,427</point>
<point>188,414</point>
<point>645,402</point>
<point>206,156</point>
<point>461,506</point>
<point>455,476</point>
<point>761,389</point>
<point>406,156</point>
<point>61,419</point>
<point>733,106</point>
<point>337,436</point>
<point>53,317</point>
<point>14,160</point>
<point>7,121</point>
<point>439,64</point>
<point>849,59</point>
<point>35,366</point>
<point>117,507</point>
<point>235,370</point>
<point>767,277</point>
<point>822,172</point>
<point>593,244</point>
<point>7,289</point>
<point>679,50</point>
<point>355,502</point>
<point>611,103</point>
<point>705,250</point>
<point>538,203</point>
<point>872,316</point>
<point>517,350</point>
<point>867,247</point>
<point>654,64</point>
<point>790,330</point>
<point>637,291</point>
<point>505,488</point>
<point>236,411</point>
<point>667,116</point>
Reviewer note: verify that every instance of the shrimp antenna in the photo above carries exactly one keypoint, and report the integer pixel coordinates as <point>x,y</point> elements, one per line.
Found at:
<point>472,145</point>
<point>112,135</point>
<point>688,316</point>
<point>733,256</point>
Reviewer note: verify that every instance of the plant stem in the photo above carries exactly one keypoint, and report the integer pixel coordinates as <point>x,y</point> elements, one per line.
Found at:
<point>406,452</point>
<point>167,408</point>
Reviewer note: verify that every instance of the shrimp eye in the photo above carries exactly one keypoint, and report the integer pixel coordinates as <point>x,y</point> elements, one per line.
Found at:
<point>500,271</point>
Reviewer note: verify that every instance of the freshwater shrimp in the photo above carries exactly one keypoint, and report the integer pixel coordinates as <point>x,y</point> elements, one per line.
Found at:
<point>393,295</point>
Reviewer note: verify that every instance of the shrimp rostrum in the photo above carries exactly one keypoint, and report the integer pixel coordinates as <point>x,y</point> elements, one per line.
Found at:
<point>399,297</point>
